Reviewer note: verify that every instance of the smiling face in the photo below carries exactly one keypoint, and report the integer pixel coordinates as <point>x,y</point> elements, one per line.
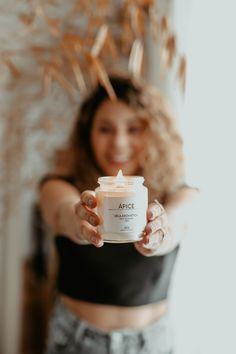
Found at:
<point>117,138</point>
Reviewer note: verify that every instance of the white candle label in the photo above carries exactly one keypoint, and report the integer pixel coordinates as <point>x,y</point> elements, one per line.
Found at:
<point>124,215</point>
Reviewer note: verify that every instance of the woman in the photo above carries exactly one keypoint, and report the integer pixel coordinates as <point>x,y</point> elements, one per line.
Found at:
<point>113,298</point>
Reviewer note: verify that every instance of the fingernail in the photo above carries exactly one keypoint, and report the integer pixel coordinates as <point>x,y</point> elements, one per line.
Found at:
<point>150,215</point>
<point>94,239</point>
<point>90,202</point>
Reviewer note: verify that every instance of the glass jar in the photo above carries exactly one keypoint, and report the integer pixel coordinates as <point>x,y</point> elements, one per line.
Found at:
<point>122,206</point>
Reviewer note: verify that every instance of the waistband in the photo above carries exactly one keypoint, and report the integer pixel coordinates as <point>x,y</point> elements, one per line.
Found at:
<point>81,326</point>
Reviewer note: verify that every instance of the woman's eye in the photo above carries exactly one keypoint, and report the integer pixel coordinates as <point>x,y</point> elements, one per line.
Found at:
<point>134,130</point>
<point>105,130</point>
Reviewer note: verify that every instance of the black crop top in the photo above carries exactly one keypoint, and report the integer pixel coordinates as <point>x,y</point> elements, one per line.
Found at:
<point>115,274</point>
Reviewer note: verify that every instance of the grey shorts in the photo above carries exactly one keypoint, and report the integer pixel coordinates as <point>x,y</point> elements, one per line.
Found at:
<point>70,335</point>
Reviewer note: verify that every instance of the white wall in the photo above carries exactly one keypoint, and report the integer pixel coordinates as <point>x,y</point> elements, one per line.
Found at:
<point>204,289</point>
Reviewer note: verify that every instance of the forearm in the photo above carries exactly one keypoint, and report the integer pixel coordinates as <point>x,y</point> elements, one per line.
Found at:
<point>57,199</point>
<point>180,208</point>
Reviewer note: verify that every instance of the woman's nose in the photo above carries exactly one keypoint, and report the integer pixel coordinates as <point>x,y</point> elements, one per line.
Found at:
<point>120,140</point>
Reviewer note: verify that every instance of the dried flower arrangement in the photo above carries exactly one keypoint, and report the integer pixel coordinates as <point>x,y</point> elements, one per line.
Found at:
<point>89,37</point>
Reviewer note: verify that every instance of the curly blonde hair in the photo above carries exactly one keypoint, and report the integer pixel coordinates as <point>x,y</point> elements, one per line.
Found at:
<point>161,164</point>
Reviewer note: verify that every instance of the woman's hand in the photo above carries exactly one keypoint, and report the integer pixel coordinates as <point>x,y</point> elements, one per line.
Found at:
<point>87,220</point>
<point>155,230</point>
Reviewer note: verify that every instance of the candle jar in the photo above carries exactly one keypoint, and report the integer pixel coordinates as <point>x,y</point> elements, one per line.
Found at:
<point>122,206</point>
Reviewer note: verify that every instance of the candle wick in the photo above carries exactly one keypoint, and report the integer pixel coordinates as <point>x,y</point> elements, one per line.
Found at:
<point>120,174</point>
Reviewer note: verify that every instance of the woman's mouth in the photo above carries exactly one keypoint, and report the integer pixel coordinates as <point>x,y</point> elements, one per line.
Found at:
<point>118,159</point>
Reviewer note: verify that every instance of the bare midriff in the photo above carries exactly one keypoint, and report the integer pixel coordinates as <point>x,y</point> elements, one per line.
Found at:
<point>109,317</point>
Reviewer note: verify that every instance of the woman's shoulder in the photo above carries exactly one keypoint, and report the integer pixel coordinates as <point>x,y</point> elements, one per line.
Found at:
<point>57,176</point>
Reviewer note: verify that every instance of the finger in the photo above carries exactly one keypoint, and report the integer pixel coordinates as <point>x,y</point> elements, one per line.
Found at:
<point>86,214</point>
<point>154,240</point>
<point>154,210</point>
<point>144,251</point>
<point>90,234</point>
<point>89,199</point>
<point>156,224</point>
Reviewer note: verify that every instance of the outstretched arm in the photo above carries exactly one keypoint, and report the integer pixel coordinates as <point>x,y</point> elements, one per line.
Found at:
<point>69,213</point>
<point>167,226</point>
